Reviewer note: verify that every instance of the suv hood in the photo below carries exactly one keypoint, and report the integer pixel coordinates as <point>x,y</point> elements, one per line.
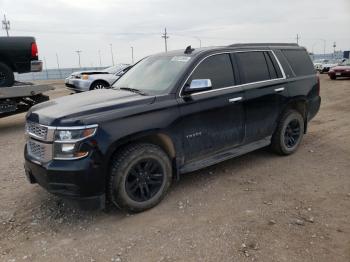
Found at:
<point>88,107</point>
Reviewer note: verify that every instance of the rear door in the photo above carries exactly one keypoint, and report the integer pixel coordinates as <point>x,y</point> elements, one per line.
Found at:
<point>212,120</point>
<point>264,91</point>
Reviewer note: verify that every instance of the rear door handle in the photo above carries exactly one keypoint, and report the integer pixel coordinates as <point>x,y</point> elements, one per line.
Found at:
<point>236,99</point>
<point>279,89</point>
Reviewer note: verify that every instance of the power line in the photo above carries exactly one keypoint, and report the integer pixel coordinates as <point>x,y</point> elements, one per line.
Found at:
<point>166,37</point>
<point>6,25</point>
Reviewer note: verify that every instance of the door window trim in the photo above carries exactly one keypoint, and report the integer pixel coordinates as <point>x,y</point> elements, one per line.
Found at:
<point>234,86</point>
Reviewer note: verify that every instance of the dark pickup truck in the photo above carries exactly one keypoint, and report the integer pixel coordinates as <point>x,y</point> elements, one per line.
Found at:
<point>17,54</point>
<point>171,114</point>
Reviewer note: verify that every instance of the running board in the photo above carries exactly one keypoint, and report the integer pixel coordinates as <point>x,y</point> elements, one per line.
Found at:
<point>224,155</point>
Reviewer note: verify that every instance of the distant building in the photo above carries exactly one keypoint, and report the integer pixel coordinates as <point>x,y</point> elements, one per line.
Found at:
<point>336,55</point>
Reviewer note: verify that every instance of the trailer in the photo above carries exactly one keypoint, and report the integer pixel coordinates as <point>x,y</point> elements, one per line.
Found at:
<point>21,97</point>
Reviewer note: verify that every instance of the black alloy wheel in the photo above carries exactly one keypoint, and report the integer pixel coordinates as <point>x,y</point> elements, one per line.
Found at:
<point>140,177</point>
<point>144,180</point>
<point>292,133</point>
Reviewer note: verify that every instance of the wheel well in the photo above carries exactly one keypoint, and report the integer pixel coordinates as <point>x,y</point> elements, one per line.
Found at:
<point>99,81</point>
<point>7,62</point>
<point>299,105</point>
<point>159,139</point>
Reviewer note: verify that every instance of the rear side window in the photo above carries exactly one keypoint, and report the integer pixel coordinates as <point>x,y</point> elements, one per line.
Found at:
<point>300,62</point>
<point>218,69</point>
<point>253,67</point>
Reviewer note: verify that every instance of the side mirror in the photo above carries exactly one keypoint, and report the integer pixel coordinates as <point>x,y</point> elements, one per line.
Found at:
<point>198,85</point>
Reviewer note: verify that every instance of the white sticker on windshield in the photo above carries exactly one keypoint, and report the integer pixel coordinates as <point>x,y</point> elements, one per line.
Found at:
<point>183,59</point>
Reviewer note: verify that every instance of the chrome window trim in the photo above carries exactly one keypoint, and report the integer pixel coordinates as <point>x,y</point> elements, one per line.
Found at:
<point>235,86</point>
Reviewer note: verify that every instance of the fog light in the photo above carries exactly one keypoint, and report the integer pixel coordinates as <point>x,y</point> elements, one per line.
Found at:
<point>68,148</point>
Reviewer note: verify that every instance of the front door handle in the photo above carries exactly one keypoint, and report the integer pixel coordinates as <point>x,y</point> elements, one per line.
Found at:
<point>236,99</point>
<point>279,89</point>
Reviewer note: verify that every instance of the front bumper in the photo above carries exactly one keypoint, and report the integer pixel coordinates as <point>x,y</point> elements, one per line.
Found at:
<point>78,85</point>
<point>81,180</point>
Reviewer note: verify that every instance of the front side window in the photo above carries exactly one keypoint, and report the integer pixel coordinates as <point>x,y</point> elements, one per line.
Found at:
<point>218,69</point>
<point>253,67</point>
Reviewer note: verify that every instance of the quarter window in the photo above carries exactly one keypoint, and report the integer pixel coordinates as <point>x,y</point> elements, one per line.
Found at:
<point>218,69</point>
<point>300,62</point>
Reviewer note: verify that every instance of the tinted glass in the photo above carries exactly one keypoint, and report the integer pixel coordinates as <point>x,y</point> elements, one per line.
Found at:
<point>253,67</point>
<point>275,70</point>
<point>300,62</point>
<point>218,69</point>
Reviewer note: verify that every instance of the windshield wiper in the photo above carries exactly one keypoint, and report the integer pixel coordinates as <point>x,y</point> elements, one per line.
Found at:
<point>134,90</point>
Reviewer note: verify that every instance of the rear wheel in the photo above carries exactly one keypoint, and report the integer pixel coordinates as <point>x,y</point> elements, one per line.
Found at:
<point>6,75</point>
<point>289,133</point>
<point>99,85</point>
<point>140,177</point>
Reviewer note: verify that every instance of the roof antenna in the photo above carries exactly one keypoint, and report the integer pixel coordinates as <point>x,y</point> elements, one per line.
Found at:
<point>189,50</point>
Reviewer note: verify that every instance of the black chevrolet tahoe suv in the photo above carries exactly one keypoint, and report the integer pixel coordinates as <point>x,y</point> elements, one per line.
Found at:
<point>171,114</point>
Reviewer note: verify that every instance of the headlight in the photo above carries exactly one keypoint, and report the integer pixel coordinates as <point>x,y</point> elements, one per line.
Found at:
<point>68,142</point>
<point>85,77</point>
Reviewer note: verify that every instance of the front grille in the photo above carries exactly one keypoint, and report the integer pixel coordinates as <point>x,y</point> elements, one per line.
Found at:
<point>40,151</point>
<point>36,130</point>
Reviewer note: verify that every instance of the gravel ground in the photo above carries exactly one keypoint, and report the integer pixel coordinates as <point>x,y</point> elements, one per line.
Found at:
<point>258,207</point>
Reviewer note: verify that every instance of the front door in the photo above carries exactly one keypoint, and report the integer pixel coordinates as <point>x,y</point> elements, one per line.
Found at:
<point>212,120</point>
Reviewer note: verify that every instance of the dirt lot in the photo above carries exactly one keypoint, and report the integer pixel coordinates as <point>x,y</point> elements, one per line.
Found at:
<point>259,207</point>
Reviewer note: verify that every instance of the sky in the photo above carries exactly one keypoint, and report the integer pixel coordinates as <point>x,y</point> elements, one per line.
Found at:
<point>64,26</point>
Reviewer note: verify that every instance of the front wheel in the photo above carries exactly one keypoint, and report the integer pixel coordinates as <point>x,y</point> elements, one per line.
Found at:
<point>140,177</point>
<point>99,85</point>
<point>289,133</point>
<point>333,77</point>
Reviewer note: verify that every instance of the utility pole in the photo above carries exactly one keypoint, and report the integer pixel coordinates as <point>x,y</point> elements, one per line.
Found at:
<point>112,53</point>
<point>324,47</point>
<point>78,52</point>
<point>165,36</point>
<point>99,55</point>
<point>200,41</point>
<point>58,65</point>
<point>298,38</point>
<point>47,73</point>
<point>132,55</point>
<point>334,46</point>
<point>6,25</point>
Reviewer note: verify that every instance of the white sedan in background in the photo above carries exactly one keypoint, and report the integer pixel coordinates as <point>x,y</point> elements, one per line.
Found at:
<point>82,81</point>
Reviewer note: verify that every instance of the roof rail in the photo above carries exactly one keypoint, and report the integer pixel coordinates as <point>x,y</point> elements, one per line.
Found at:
<point>264,44</point>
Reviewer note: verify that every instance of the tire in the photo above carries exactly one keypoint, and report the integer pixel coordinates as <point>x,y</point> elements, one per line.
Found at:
<point>99,85</point>
<point>7,77</point>
<point>131,169</point>
<point>333,77</point>
<point>289,133</point>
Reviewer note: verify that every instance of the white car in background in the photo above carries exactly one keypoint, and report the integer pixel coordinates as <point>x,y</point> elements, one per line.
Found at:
<point>324,65</point>
<point>82,81</point>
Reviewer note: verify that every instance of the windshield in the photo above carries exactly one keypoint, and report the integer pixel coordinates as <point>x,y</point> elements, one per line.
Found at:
<point>114,69</point>
<point>154,74</point>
